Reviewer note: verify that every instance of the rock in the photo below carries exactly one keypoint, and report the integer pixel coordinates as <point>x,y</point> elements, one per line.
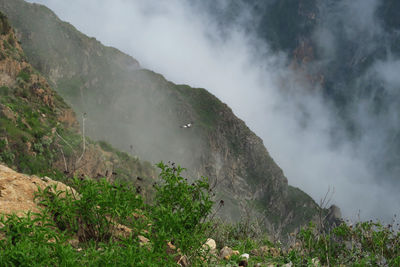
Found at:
<point>143,240</point>
<point>211,244</point>
<point>334,216</point>
<point>226,253</point>
<point>245,256</point>
<point>17,191</point>
<point>316,262</point>
<point>290,264</point>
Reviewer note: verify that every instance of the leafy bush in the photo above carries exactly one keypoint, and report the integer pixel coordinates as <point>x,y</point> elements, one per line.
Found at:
<point>30,240</point>
<point>94,213</point>
<point>94,216</point>
<point>180,210</point>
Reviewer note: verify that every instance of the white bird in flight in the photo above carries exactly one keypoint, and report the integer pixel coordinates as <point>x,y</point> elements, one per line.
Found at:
<point>187,125</point>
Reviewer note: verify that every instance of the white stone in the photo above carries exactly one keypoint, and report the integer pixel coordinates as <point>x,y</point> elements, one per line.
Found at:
<point>211,244</point>
<point>245,256</point>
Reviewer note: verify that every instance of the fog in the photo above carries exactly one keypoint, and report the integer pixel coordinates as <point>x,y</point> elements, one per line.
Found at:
<point>278,104</point>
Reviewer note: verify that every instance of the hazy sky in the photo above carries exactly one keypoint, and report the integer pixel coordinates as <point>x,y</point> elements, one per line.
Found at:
<point>184,45</point>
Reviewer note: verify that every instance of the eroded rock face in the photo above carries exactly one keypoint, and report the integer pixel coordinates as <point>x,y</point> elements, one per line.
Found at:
<point>17,191</point>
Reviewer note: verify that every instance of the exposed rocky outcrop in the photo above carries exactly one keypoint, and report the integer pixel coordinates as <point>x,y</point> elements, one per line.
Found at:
<point>17,191</point>
<point>39,132</point>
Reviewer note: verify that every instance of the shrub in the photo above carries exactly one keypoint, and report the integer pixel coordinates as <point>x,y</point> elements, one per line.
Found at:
<point>94,213</point>
<point>24,75</point>
<point>180,210</point>
<point>30,240</point>
<point>93,216</point>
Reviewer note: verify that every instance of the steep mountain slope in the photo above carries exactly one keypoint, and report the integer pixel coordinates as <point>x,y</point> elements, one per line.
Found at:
<point>140,112</point>
<point>348,50</point>
<point>39,132</point>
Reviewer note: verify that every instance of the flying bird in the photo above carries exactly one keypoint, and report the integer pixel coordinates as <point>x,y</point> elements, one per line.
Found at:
<point>187,125</point>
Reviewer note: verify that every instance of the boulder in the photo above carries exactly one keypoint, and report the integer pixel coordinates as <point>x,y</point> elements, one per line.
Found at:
<point>245,256</point>
<point>17,191</point>
<point>210,246</point>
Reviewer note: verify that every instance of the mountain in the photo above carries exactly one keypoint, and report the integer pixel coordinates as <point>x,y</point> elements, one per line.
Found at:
<point>39,133</point>
<point>140,112</point>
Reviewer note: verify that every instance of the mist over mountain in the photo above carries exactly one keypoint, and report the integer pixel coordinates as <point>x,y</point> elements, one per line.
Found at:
<point>317,80</point>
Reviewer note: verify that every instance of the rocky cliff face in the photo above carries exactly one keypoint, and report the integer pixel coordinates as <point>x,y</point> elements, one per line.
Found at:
<point>140,112</point>
<point>39,133</point>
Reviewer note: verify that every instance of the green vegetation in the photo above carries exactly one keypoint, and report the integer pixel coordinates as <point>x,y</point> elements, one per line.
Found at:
<point>24,75</point>
<point>4,24</point>
<point>27,130</point>
<point>109,224</point>
<point>34,141</point>
<point>180,210</point>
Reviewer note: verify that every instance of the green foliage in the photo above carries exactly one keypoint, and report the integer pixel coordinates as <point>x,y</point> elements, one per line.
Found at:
<point>24,75</point>
<point>30,241</point>
<point>4,24</point>
<point>365,243</point>
<point>4,90</point>
<point>6,155</point>
<point>178,215</point>
<point>244,235</point>
<point>93,213</point>
<point>180,209</point>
